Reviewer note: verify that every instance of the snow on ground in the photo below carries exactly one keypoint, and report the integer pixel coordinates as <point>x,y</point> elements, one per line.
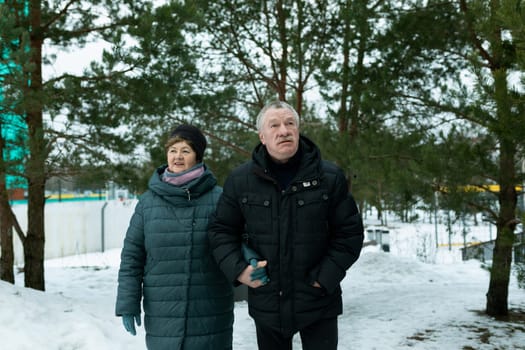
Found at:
<point>391,301</point>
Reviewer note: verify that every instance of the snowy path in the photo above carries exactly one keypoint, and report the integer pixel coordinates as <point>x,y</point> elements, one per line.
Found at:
<point>390,303</point>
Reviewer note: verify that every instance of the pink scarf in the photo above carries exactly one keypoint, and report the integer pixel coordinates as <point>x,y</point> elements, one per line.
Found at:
<point>179,179</point>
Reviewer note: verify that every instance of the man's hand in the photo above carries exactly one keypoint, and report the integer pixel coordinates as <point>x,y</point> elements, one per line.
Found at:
<point>247,276</point>
<point>316,284</point>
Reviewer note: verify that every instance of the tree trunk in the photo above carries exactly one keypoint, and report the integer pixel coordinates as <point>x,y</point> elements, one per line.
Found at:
<point>345,76</point>
<point>6,232</point>
<point>497,295</point>
<point>283,62</point>
<point>358,88</point>
<point>35,239</point>
<point>8,256</point>
<point>6,237</point>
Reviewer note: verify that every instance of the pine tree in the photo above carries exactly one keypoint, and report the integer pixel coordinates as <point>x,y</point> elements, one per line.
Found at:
<point>478,121</point>
<point>97,118</point>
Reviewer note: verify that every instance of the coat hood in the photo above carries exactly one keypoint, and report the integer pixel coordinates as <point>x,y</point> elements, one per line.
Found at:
<point>310,158</point>
<point>176,194</point>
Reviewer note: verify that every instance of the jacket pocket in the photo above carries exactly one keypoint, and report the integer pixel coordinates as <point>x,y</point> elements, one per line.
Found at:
<point>312,215</point>
<point>307,292</point>
<point>257,211</point>
<point>265,298</point>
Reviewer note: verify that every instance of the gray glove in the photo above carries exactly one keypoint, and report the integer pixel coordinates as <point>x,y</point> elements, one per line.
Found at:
<point>251,257</point>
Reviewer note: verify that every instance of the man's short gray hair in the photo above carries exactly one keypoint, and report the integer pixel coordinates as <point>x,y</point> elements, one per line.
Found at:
<point>276,105</point>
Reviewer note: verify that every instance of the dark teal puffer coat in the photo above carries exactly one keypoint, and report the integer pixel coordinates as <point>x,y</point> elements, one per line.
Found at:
<point>166,263</point>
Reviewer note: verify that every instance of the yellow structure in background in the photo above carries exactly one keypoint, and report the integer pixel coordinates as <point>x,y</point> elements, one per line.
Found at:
<point>76,196</point>
<point>488,188</point>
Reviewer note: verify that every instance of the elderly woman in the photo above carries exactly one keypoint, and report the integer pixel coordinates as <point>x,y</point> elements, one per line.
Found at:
<point>166,261</point>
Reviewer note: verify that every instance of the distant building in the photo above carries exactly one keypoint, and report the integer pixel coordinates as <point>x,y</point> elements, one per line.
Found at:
<point>484,251</point>
<point>12,127</point>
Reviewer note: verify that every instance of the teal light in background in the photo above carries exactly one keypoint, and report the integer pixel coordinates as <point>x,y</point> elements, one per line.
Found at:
<point>13,127</point>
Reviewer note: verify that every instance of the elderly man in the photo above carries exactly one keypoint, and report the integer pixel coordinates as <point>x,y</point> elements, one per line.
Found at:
<point>295,211</point>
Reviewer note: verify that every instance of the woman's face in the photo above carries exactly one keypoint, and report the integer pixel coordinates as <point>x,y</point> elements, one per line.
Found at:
<point>181,157</point>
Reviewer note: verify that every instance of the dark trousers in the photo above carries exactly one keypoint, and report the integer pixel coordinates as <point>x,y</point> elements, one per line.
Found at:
<point>321,335</point>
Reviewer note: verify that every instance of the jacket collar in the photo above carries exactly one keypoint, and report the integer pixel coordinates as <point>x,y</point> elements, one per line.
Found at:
<point>191,190</point>
<point>309,165</point>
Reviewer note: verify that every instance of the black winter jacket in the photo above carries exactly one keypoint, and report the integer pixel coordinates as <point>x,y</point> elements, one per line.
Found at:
<point>311,231</point>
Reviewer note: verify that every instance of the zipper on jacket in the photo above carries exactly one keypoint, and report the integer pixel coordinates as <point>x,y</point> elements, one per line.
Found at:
<point>189,194</point>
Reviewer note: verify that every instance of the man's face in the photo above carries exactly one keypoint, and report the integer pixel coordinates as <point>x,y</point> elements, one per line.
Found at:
<point>280,134</point>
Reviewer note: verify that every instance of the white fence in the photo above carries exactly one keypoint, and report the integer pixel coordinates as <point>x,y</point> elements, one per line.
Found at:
<point>78,227</point>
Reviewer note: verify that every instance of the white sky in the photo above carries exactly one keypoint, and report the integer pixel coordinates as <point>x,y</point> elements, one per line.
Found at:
<point>391,301</point>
